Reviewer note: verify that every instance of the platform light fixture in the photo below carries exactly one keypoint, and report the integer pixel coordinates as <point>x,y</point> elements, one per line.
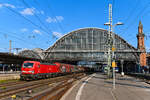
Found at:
<point>118,23</point>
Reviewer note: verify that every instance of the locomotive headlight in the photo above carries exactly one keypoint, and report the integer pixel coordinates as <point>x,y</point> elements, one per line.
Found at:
<point>31,71</point>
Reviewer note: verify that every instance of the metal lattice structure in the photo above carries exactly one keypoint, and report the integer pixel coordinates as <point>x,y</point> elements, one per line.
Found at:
<point>31,54</point>
<point>89,44</point>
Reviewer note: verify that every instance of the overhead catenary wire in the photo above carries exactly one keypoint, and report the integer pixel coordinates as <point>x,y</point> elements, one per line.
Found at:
<point>53,14</point>
<point>133,21</point>
<point>58,22</point>
<point>15,35</point>
<point>36,25</point>
<point>113,2</point>
<point>38,18</point>
<point>130,36</point>
<point>28,20</point>
<point>127,19</point>
<point>36,2</point>
<point>7,33</point>
<point>22,40</point>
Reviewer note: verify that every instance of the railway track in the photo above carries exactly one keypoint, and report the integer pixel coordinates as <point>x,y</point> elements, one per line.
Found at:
<point>8,84</point>
<point>57,91</point>
<point>8,92</point>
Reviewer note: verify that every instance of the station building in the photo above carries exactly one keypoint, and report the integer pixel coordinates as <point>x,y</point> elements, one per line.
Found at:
<point>89,47</point>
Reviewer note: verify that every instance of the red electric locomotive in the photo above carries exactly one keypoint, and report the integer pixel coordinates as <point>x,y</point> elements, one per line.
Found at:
<point>37,70</point>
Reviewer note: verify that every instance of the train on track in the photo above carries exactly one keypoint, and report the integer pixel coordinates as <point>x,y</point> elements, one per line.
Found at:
<point>32,70</point>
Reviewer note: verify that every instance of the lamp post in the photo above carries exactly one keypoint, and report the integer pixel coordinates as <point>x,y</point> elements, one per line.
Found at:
<point>111,49</point>
<point>111,45</point>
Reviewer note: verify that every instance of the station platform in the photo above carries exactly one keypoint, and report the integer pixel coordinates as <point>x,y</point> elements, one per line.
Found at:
<point>98,87</point>
<point>9,75</point>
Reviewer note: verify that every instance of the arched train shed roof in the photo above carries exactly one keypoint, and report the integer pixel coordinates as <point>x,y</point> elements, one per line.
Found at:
<point>89,44</point>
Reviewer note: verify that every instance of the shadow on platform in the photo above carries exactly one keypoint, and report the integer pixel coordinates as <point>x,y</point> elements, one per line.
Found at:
<point>108,82</point>
<point>126,84</point>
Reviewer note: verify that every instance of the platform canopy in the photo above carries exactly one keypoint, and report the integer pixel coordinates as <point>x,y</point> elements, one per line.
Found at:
<point>89,44</point>
<point>35,53</point>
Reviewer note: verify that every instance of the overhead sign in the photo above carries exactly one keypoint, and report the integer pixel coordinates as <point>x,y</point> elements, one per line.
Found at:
<point>113,49</point>
<point>114,64</point>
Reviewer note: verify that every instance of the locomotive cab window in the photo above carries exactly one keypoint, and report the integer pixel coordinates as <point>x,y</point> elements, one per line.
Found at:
<point>28,65</point>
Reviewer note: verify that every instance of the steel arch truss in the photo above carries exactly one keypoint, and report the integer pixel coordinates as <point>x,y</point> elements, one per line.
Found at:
<point>89,44</point>
<point>30,54</point>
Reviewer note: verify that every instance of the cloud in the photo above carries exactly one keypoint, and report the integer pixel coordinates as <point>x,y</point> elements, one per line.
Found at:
<point>42,12</point>
<point>7,5</point>
<point>28,11</point>
<point>36,31</point>
<point>57,34</point>
<point>59,18</point>
<point>54,20</point>
<point>51,20</point>
<point>1,5</point>
<point>24,30</point>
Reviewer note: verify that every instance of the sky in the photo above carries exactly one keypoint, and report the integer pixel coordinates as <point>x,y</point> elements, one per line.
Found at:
<point>33,24</point>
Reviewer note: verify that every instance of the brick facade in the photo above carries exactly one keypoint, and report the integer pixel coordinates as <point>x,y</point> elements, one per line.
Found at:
<point>141,46</point>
